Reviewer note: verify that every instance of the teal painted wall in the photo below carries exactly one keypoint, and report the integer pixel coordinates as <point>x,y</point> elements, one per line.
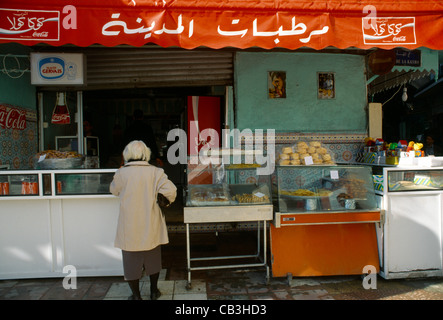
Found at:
<point>16,91</point>
<point>300,111</point>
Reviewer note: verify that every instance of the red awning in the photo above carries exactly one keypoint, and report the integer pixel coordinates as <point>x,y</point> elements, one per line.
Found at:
<point>216,24</point>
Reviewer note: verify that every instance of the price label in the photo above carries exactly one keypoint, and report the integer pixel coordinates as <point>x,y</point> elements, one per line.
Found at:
<point>308,161</point>
<point>334,174</point>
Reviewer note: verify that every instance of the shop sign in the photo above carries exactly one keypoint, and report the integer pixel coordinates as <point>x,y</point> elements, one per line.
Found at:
<point>389,30</point>
<point>289,24</point>
<point>57,68</point>
<point>12,118</point>
<point>410,58</point>
<point>29,24</point>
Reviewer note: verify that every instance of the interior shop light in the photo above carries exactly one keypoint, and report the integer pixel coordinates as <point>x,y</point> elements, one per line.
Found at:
<point>404,96</point>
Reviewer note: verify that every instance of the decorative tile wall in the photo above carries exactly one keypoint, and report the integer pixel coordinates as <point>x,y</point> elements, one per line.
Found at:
<point>18,147</point>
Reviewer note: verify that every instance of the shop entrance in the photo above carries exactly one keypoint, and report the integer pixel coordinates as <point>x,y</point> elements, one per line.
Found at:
<point>106,115</point>
<point>110,113</point>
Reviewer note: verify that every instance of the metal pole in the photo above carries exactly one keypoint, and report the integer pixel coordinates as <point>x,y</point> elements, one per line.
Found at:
<point>188,254</point>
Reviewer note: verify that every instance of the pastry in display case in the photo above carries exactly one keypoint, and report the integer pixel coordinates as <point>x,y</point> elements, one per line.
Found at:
<point>324,188</point>
<point>208,195</point>
<point>55,159</point>
<point>304,153</point>
<point>232,185</point>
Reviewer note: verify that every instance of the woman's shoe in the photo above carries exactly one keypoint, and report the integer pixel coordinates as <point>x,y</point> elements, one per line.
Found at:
<point>156,295</point>
<point>133,297</point>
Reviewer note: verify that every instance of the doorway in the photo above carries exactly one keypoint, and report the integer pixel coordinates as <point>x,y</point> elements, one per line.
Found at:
<point>110,113</point>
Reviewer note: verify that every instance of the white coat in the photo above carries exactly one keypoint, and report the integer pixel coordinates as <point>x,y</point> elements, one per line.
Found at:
<point>141,224</point>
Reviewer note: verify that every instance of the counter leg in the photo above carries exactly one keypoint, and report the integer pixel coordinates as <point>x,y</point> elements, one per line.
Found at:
<point>188,256</point>
<point>265,245</point>
<point>258,239</point>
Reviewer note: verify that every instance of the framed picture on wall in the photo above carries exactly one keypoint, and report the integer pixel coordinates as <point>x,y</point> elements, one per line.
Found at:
<point>326,85</point>
<point>276,84</point>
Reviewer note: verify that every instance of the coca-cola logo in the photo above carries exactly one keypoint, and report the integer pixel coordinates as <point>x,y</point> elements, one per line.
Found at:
<point>388,31</point>
<point>61,118</point>
<point>19,24</point>
<point>11,118</point>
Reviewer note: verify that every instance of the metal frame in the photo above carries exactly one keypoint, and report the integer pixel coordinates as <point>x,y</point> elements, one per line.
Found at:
<point>245,265</point>
<point>260,213</point>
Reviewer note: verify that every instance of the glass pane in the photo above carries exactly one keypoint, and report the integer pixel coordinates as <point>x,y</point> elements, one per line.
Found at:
<point>19,185</point>
<point>237,186</point>
<point>325,188</point>
<point>85,183</point>
<point>415,180</point>
<point>61,136</point>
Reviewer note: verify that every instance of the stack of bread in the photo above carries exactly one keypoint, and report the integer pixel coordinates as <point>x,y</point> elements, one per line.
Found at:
<point>299,154</point>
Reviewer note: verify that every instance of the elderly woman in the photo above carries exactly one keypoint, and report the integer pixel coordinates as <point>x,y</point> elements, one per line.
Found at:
<point>141,228</point>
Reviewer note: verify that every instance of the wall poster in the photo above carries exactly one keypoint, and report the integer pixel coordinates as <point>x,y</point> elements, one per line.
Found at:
<point>276,84</point>
<point>326,85</point>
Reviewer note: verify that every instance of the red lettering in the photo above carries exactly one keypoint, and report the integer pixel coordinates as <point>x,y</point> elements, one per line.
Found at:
<point>52,70</point>
<point>12,119</point>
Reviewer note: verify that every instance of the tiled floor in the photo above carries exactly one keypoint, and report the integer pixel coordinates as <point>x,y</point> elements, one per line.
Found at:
<point>223,284</point>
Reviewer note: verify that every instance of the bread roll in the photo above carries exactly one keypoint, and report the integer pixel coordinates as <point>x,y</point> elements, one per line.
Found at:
<point>295,156</point>
<point>315,156</point>
<point>302,145</point>
<point>315,144</point>
<point>295,162</point>
<point>326,157</point>
<point>311,150</point>
<point>287,150</point>
<point>284,156</point>
<point>284,162</point>
<point>322,150</point>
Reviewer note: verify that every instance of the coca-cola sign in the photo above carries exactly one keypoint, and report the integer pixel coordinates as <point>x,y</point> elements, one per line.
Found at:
<point>29,24</point>
<point>12,118</point>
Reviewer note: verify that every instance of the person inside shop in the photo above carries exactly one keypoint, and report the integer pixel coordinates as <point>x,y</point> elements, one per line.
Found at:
<point>91,146</point>
<point>87,128</point>
<point>141,228</point>
<point>430,147</point>
<point>142,130</point>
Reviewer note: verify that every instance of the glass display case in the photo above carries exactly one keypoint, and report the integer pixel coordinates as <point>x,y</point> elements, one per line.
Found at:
<point>19,184</point>
<point>307,189</point>
<point>324,221</point>
<point>83,183</point>
<point>227,185</point>
<point>50,183</point>
<point>414,180</point>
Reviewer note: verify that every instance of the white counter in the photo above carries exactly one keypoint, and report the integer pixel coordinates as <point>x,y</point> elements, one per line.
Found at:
<point>412,233</point>
<point>41,234</point>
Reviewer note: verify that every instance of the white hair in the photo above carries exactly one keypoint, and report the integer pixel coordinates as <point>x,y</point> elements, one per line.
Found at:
<point>136,150</point>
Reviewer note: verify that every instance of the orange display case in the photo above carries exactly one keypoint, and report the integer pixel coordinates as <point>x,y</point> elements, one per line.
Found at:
<point>324,221</point>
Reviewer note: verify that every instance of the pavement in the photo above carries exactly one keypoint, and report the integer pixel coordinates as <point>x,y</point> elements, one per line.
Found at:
<point>223,284</point>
